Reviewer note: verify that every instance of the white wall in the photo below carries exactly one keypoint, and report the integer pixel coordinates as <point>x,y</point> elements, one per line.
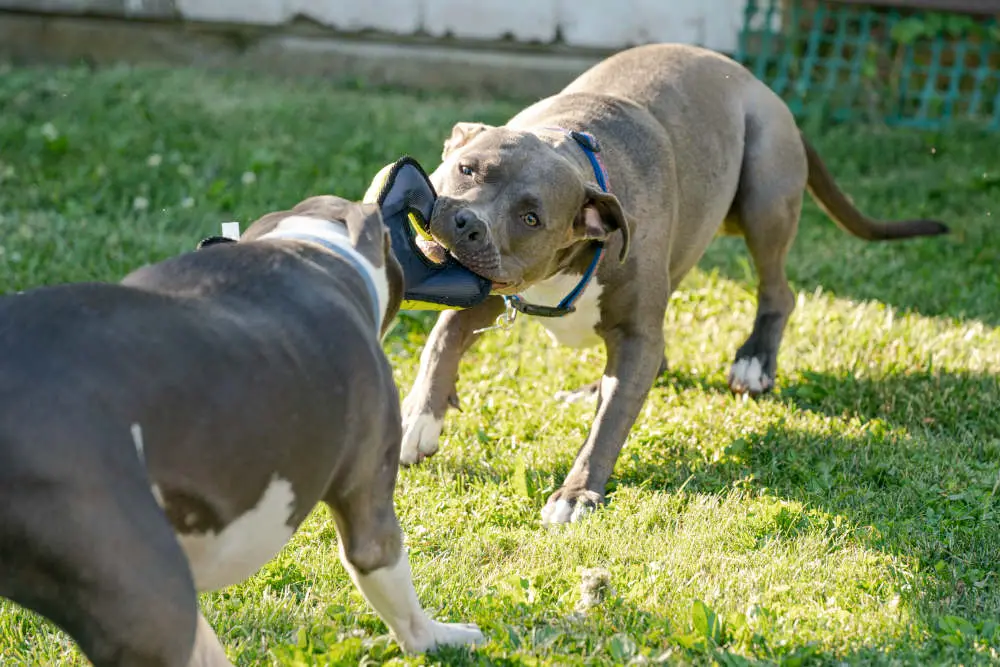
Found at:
<point>607,24</point>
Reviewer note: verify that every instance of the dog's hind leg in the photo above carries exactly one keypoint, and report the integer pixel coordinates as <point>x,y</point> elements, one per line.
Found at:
<point>207,651</point>
<point>767,208</point>
<point>372,551</point>
<point>99,559</point>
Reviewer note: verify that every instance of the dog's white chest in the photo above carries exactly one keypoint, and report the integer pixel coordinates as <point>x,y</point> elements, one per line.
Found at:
<point>579,328</point>
<point>240,549</point>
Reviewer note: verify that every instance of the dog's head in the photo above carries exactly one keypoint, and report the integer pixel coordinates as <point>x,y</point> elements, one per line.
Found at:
<point>365,229</point>
<point>510,206</point>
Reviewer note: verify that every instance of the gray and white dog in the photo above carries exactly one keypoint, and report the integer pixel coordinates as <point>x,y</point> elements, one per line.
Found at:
<point>168,434</point>
<point>690,145</point>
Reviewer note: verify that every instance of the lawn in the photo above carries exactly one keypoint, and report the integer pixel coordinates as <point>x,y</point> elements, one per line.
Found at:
<point>852,517</point>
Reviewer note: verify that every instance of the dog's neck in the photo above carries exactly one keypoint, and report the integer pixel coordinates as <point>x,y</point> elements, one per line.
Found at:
<point>575,259</point>
<point>333,237</point>
<point>588,146</point>
<point>581,149</point>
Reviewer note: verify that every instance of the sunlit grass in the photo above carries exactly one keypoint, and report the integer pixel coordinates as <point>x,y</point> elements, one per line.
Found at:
<point>851,517</point>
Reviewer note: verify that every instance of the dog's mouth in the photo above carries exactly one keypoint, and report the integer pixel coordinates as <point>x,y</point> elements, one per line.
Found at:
<point>487,267</point>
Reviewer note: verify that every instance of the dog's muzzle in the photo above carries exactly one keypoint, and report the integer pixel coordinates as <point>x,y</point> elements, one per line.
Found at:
<point>466,237</point>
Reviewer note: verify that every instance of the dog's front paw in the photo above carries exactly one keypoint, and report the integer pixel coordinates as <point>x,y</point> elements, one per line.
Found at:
<point>750,375</point>
<point>436,634</point>
<point>421,434</point>
<point>569,506</point>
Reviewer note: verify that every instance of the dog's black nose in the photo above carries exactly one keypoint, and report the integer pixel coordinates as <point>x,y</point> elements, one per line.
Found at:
<point>465,217</point>
<point>468,226</point>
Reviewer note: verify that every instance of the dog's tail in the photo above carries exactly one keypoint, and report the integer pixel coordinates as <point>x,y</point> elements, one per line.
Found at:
<point>838,206</point>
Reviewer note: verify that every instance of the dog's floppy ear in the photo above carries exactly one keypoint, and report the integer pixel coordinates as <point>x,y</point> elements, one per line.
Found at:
<point>367,231</point>
<point>600,216</point>
<point>394,275</point>
<point>264,225</point>
<point>364,222</point>
<point>461,134</point>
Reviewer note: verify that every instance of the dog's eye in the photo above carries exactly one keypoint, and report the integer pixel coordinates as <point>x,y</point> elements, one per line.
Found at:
<point>530,219</point>
<point>465,169</point>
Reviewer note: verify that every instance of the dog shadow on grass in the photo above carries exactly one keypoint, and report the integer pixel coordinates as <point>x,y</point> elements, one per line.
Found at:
<point>916,476</point>
<point>933,432</point>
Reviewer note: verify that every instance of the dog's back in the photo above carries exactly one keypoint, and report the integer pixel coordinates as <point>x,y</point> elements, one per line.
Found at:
<point>217,385</point>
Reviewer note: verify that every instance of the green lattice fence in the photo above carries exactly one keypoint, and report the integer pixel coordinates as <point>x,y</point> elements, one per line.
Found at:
<point>843,61</point>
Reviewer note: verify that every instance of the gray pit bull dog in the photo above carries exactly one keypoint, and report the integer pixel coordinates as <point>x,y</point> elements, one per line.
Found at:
<point>690,145</point>
<point>168,434</point>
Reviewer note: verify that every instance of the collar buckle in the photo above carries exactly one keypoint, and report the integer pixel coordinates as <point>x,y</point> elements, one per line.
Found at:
<point>506,319</point>
<point>586,140</point>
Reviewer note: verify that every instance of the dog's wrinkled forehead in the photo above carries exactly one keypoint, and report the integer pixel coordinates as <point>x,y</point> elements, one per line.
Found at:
<point>501,156</point>
<point>500,145</point>
<point>510,171</point>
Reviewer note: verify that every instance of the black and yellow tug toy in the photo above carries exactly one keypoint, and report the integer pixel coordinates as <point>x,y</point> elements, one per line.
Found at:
<point>406,197</point>
<point>433,280</point>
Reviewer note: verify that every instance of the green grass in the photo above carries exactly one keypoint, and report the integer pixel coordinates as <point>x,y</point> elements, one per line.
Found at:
<point>853,517</point>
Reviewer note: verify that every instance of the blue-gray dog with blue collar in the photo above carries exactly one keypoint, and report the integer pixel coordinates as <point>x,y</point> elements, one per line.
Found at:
<point>588,208</point>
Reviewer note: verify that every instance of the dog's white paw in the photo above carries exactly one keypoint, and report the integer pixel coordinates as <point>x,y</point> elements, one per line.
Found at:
<point>747,377</point>
<point>559,509</point>
<point>436,634</point>
<point>420,438</point>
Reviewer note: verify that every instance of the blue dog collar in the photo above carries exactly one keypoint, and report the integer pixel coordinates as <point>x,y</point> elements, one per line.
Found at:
<point>588,143</point>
